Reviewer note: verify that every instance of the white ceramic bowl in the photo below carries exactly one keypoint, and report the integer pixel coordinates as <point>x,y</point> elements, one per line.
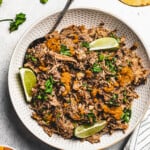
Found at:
<point>89,18</point>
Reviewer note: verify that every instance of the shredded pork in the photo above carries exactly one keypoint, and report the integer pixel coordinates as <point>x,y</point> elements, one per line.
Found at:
<point>76,86</point>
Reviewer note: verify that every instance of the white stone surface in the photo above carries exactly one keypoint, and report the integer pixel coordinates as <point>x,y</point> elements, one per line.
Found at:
<point>12,132</point>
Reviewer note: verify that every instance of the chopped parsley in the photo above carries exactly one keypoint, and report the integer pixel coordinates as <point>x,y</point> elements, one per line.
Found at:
<point>126,115</point>
<point>49,85</point>
<point>96,68</point>
<point>64,50</point>
<point>85,44</point>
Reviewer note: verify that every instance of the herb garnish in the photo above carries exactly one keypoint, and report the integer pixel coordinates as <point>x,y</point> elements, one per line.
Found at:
<point>91,116</point>
<point>112,101</point>
<point>1,2</point>
<point>64,50</point>
<point>43,1</point>
<point>20,19</point>
<point>115,37</point>
<point>58,115</point>
<point>101,57</point>
<point>14,24</point>
<point>96,68</point>
<point>85,44</point>
<point>111,64</point>
<point>49,85</point>
<point>125,96</point>
<point>41,95</point>
<point>84,84</point>
<point>31,57</point>
<point>126,115</point>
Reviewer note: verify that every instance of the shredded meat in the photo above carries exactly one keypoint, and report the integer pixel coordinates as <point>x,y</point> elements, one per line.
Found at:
<point>76,86</point>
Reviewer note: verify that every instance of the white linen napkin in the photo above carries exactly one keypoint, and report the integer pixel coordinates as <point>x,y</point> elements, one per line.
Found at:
<point>140,139</point>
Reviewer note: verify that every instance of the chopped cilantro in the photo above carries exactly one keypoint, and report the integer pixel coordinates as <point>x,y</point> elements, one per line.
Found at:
<point>126,115</point>
<point>115,37</point>
<point>96,68</point>
<point>31,57</point>
<point>125,96</point>
<point>64,50</point>
<point>84,84</point>
<point>91,116</point>
<point>85,44</point>
<point>111,64</point>
<point>112,101</point>
<point>41,96</point>
<point>101,57</point>
<point>20,19</point>
<point>49,85</point>
<point>58,115</point>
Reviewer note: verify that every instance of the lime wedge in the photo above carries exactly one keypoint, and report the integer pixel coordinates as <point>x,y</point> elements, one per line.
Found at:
<point>104,43</point>
<point>84,131</point>
<point>28,79</point>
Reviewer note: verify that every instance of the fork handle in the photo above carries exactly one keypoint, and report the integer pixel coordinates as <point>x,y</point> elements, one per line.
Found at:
<point>61,15</point>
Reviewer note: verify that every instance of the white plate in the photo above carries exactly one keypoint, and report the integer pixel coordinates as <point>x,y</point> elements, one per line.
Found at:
<point>89,18</point>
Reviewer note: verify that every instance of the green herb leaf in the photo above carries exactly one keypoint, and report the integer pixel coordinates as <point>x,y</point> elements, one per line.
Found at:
<point>115,96</point>
<point>64,50</point>
<point>125,96</point>
<point>112,101</point>
<point>126,115</point>
<point>84,85</point>
<point>1,2</point>
<point>41,95</point>
<point>101,57</point>
<point>43,1</point>
<point>124,93</point>
<point>85,44</point>
<point>49,85</point>
<point>91,116</point>
<point>96,68</point>
<point>58,115</point>
<point>115,37</point>
<point>20,19</point>
<point>111,64</point>
<point>31,57</point>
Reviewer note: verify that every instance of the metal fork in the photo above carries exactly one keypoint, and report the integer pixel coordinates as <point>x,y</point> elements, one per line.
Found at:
<point>58,20</point>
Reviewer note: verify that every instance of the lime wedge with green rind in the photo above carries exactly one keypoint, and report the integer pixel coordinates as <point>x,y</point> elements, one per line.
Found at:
<point>84,131</point>
<point>28,79</point>
<point>104,43</point>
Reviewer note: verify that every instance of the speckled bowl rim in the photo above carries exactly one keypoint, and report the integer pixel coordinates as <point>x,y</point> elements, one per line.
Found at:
<point>145,45</point>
